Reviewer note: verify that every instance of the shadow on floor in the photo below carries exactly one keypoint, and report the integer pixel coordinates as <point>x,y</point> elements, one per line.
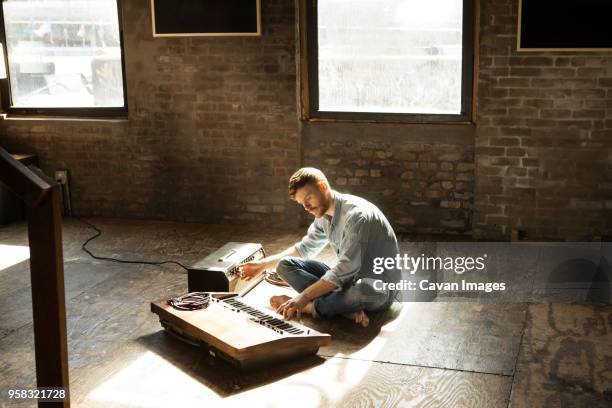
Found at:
<point>348,333</point>
<point>217,374</point>
<point>226,379</point>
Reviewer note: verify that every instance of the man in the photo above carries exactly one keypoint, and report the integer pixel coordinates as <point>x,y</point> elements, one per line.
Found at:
<point>356,230</point>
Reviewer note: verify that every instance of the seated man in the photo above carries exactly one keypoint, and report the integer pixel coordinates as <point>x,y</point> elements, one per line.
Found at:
<point>356,230</point>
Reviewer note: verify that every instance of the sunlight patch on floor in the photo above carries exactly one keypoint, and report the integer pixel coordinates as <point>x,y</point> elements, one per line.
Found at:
<point>151,381</point>
<point>12,255</point>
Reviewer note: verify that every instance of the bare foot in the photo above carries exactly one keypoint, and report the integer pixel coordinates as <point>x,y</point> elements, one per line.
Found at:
<point>276,301</point>
<point>359,317</point>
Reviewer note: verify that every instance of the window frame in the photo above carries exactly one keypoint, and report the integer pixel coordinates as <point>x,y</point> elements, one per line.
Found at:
<point>309,84</point>
<point>78,112</point>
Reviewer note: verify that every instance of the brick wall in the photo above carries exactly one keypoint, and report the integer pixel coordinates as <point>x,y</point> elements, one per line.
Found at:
<point>212,133</point>
<point>421,176</point>
<point>544,137</point>
<point>213,136</point>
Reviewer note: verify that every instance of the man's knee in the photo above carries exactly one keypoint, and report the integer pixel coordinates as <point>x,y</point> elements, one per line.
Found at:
<point>285,265</point>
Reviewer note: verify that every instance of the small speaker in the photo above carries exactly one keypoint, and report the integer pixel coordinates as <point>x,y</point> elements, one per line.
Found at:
<point>218,272</point>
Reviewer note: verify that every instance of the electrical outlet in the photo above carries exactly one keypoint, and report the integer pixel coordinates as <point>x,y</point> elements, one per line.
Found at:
<point>61,176</point>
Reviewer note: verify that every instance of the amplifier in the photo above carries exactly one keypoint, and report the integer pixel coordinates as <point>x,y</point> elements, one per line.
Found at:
<point>218,272</point>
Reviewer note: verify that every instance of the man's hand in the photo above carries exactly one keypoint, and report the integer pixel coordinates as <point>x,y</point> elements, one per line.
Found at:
<point>293,307</point>
<point>249,270</point>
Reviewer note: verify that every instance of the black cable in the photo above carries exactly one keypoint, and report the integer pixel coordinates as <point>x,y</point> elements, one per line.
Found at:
<point>103,258</point>
<point>190,301</point>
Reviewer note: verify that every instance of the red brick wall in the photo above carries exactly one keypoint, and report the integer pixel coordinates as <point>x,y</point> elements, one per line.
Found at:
<point>213,136</point>
<point>421,176</point>
<point>544,137</point>
<point>212,132</point>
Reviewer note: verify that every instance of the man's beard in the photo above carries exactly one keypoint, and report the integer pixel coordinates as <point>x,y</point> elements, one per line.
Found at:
<point>320,211</point>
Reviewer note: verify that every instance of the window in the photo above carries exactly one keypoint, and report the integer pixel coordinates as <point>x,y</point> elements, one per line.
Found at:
<point>63,57</point>
<point>397,60</point>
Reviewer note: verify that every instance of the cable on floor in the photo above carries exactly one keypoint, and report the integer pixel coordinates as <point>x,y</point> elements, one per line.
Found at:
<point>126,261</point>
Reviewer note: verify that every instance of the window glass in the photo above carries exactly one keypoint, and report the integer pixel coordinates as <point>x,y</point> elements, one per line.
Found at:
<point>392,56</point>
<point>63,53</point>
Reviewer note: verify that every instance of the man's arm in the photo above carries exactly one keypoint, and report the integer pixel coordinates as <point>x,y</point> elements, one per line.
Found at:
<point>350,252</point>
<point>317,289</point>
<point>310,245</point>
<point>249,270</point>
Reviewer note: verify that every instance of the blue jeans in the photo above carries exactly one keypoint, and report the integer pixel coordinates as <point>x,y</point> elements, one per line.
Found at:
<point>300,274</point>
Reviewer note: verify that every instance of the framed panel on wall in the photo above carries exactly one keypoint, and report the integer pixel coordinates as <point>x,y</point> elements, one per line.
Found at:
<point>189,18</point>
<point>564,25</point>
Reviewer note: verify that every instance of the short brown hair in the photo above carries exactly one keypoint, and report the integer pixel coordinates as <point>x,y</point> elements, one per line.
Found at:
<point>304,176</point>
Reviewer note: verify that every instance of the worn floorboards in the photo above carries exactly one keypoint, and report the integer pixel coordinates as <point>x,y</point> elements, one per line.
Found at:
<point>460,354</point>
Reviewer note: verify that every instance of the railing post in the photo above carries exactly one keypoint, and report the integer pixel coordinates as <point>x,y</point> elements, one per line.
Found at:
<point>42,196</point>
<point>48,299</point>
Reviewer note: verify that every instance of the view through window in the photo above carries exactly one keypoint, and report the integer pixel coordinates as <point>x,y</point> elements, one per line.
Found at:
<point>63,53</point>
<point>392,56</point>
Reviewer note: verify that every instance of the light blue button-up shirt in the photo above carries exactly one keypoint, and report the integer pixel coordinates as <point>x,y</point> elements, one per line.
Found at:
<point>358,232</point>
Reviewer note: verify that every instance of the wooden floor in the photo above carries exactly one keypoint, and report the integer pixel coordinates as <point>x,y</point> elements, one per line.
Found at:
<point>460,354</point>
